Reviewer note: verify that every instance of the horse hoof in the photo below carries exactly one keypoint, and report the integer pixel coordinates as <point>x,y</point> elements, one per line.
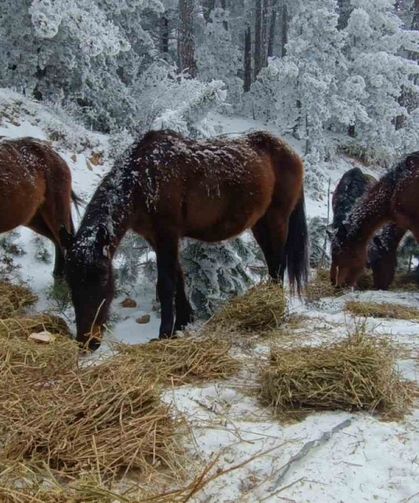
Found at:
<point>165,337</point>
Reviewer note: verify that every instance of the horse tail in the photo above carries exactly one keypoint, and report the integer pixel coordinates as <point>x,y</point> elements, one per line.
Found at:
<point>296,248</point>
<point>77,201</point>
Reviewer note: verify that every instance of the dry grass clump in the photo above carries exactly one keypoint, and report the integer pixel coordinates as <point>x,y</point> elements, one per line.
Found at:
<point>405,281</point>
<point>320,286</point>
<point>355,374</point>
<point>23,326</point>
<point>385,310</point>
<point>30,360</point>
<point>13,298</point>
<point>365,281</point>
<point>103,418</point>
<point>183,360</point>
<point>261,308</point>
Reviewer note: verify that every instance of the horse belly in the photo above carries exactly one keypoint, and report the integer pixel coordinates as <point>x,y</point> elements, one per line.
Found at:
<point>219,218</point>
<point>19,201</point>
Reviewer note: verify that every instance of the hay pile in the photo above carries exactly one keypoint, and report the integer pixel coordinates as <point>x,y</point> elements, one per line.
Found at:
<point>103,419</point>
<point>13,298</point>
<point>183,360</point>
<point>384,310</point>
<point>407,281</point>
<point>261,308</point>
<point>356,374</point>
<point>320,286</point>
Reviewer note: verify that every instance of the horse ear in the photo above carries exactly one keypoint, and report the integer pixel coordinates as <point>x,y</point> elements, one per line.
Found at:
<point>66,238</point>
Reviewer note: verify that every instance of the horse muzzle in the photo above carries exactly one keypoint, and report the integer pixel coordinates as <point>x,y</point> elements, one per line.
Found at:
<point>91,340</point>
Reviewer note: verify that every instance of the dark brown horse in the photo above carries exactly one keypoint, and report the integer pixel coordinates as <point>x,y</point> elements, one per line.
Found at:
<point>394,198</point>
<point>35,191</point>
<point>382,248</point>
<point>167,187</point>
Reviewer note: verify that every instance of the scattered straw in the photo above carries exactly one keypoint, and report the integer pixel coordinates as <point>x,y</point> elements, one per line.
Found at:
<point>356,374</point>
<point>376,310</point>
<point>13,298</point>
<point>183,360</point>
<point>261,308</point>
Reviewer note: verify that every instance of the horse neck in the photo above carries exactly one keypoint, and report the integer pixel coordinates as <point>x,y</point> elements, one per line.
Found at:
<point>108,215</point>
<point>370,214</point>
<point>391,236</point>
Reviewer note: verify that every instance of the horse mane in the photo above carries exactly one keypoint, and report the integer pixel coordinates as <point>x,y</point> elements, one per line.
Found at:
<point>350,188</point>
<point>401,169</point>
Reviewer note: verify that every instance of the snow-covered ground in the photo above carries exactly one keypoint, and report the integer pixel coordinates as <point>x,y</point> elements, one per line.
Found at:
<point>328,457</point>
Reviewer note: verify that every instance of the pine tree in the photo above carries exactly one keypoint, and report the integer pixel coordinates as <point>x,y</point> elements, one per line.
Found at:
<point>376,41</point>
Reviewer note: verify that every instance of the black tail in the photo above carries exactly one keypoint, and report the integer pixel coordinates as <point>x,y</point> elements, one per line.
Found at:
<point>296,248</point>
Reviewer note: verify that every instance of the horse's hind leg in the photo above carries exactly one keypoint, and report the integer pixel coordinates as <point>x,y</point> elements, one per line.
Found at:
<point>38,225</point>
<point>167,260</point>
<point>271,233</point>
<point>184,312</point>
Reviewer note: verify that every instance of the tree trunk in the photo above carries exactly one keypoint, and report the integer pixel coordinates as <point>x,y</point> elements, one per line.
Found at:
<point>344,10</point>
<point>247,59</point>
<point>164,34</point>
<point>186,38</point>
<point>406,99</point>
<point>284,28</point>
<point>272,29</point>
<point>258,39</point>
<point>264,45</point>
<point>208,6</point>
<point>224,6</point>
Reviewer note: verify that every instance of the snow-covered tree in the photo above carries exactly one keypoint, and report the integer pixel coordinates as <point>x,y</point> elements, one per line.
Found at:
<point>218,57</point>
<point>300,91</point>
<point>376,41</point>
<point>216,272</point>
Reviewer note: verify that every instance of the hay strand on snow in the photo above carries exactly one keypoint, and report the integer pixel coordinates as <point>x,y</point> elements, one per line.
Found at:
<point>382,310</point>
<point>355,374</point>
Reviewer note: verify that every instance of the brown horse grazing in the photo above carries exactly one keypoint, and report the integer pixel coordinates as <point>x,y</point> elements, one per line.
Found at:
<point>394,198</point>
<point>35,191</point>
<point>167,187</point>
<point>382,249</point>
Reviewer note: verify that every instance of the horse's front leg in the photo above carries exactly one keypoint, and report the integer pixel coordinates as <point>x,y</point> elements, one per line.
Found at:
<point>184,312</point>
<point>167,259</point>
<point>58,272</point>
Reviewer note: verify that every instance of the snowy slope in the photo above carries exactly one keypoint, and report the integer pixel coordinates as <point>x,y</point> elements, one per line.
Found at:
<point>364,460</point>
